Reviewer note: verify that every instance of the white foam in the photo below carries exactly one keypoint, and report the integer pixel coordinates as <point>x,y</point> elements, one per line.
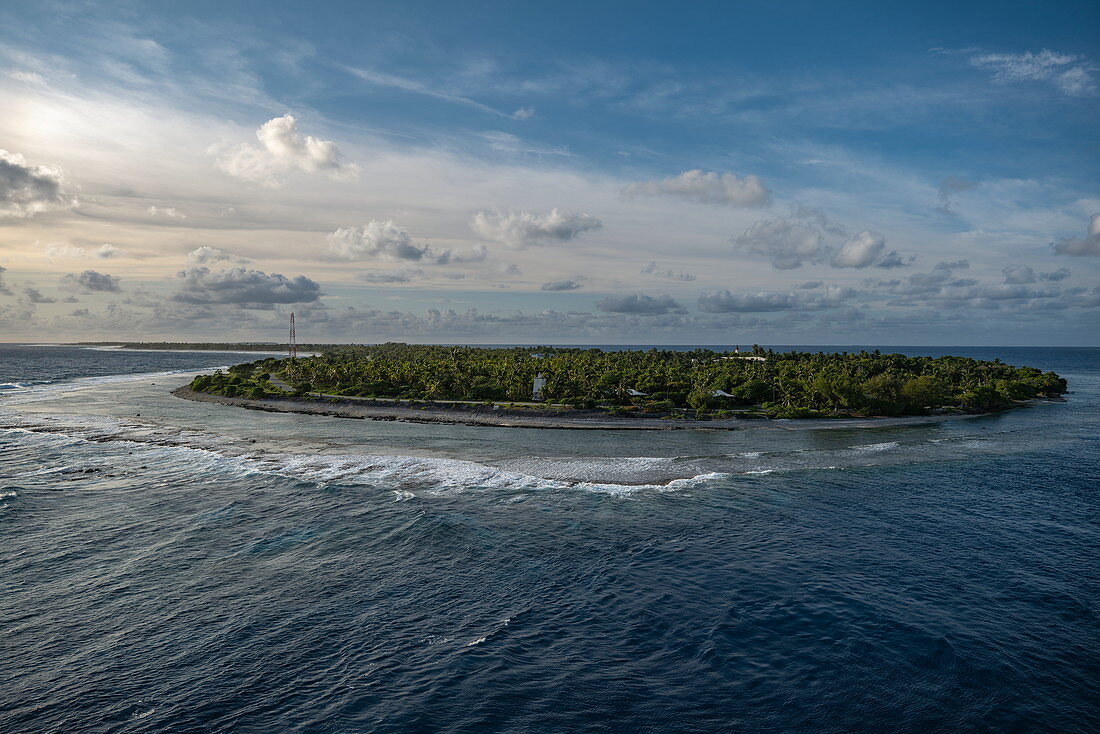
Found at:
<point>405,472</point>
<point>196,450</point>
<point>48,389</point>
<point>873,447</point>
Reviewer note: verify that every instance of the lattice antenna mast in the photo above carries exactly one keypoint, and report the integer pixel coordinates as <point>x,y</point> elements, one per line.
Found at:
<point>292,345</point>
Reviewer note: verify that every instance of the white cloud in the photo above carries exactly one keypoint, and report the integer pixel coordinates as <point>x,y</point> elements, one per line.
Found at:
<point>55,250</point>
<point>941,275</point>
<point>109,252</point>
<point>282,149</point>
<point>860,251</point>
<point>1086,246</point>
<point>524,113</point>
<point>707,187</point>
<point>375,240</point>
<point>1023,275</point>
<point>26,190</point>
<point>165,211</point>
<point>787,244</point>
<point>206,255</point>
<point>475,254</point>
<point>520,229</point>
<point>1071,74</point>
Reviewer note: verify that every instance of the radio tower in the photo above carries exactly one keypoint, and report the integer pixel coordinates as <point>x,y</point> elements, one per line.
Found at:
<point>292,345</point>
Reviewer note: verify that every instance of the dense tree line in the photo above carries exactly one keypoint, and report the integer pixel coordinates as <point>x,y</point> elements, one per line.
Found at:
<point>789,384</point>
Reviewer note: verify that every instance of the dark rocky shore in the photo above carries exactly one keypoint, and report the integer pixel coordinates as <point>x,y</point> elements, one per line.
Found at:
<point>460,414</point>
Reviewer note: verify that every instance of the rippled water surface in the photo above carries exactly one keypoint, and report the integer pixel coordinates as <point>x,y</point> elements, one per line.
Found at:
<point>176,566</point>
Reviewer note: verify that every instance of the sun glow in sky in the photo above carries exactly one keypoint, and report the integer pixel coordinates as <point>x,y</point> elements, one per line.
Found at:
<point>563,172</point>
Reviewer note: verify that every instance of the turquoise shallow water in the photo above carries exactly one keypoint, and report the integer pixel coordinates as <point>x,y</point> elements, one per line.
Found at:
<point>170,565</point>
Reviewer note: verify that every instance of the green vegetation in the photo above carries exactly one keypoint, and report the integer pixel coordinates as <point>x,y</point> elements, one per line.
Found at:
<point>242,381</point>
<point>699,383</point>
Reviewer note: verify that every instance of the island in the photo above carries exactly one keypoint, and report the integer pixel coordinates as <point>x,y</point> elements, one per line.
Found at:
<point>574,388</point>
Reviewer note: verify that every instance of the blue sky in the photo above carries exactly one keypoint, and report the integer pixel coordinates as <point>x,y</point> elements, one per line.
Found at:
<point>566,172</point>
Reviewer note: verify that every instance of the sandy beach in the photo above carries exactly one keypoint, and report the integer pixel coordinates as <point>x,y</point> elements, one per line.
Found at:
<point>497,416</point>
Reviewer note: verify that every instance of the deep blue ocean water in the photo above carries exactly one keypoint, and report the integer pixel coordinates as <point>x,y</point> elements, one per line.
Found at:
<point>176,566</point>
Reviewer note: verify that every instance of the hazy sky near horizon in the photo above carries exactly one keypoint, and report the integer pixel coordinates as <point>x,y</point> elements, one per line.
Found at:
<point>597,172</point>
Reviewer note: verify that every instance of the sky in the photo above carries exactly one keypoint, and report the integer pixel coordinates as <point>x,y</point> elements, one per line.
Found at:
<point>567,172</point>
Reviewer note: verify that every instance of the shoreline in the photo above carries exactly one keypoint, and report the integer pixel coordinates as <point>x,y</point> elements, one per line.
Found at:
<point>504,418</point>
<point>454,415</point>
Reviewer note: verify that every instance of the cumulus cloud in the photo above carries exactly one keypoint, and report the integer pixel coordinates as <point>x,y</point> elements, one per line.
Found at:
<point>785,243</point>
<point>168,212</point>
<point>893,259</point>
<point>1071,74</point>
<point>941,274</point>
<point>109,252</point>
<point>243,287</point>
<point>724,301</point>
<point>1059,274</point>
<point>282,149</point>
<point>652,269</point>
<point>26,190</point>
<point>860,251</point>
<point>35,296</point>
<point>640,304</point>
<point>4,290</point>
<point>476,254</point>
<point>524,113</point>
<point>1017,292</point>
<point>707,187</point>
<point>561,285</point>
<point>1018,274</point>
<point>375,240</point>
<point>1087,246</point>
<point>789,243</point>
<point>520,229</point>
<point>91,281</point>
<point>866,249</point>
<point>1022,274</point>
<point>206,255</point>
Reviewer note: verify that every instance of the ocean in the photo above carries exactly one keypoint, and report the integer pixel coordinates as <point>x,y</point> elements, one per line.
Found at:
<point>167,565</point>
